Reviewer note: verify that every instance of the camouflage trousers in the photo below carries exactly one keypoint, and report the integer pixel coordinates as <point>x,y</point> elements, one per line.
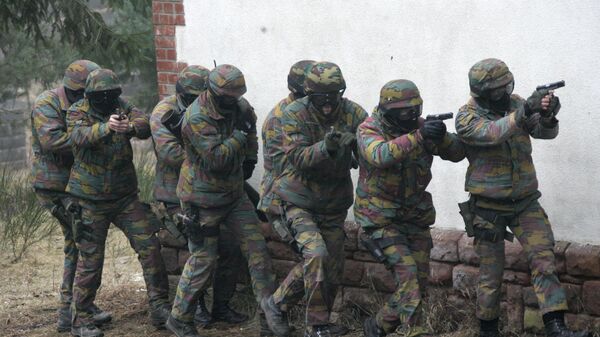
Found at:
<point>320,239</point>
<point>532,228</point>
<point>241,220</point>
<point>228,263</point>
<point>407,257</point>
<point>130,216</point>
<point>58,201</point>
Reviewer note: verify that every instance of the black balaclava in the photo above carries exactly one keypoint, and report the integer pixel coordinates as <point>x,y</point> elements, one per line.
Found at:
<point>104,102</point>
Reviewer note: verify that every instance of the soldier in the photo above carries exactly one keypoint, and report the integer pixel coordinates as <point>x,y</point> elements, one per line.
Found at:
<point>496,127</point>
<point>396,148</point>
<point>103,180</point>
<point>316,191</point>
<point>219,132</point>
<point>52,160</point>
<point>165,123</point>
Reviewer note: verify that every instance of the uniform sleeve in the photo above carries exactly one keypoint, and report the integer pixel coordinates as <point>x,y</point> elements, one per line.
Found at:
<point>139,119</point>
<point>542,128</point>
<point>82,131</point>
<point>375,150</point>
<point>252,140</point>
<point>299,149</point>
<point>49,126</point>
<point>168,147</point>
<point>478,131</point>
<point>451,148</point>
<point>217,153</point>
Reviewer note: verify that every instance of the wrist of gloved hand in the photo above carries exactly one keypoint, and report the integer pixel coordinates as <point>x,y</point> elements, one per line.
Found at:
<point>534,102</point>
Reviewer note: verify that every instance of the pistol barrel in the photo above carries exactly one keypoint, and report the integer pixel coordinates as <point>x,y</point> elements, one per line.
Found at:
<point>551,86</point>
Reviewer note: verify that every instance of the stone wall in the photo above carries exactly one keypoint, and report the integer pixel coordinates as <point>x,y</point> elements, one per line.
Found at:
<point>454,268</point>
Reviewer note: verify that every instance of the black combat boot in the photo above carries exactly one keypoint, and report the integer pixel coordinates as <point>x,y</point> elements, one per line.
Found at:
<point>488,328</point>
<point>276,319</point>
<point>318,331</point>
<point>221,312</point>
<point>159,315</point>
<point>86,331</point>
<point>554,323</point>
<point>181,329</point>
<point>202,317</point>
<point>370,328</point>
<point>100,316</point>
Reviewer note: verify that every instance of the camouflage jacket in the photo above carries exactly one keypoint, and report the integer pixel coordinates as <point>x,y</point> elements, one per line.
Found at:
<point>211,174</point>
<point>169,153</point>
<point>499,149</point>
<point>52,156</point>
<point>273,157</point>
<point>103,167</point>
<point>312,179</point>
<point>395,170</point>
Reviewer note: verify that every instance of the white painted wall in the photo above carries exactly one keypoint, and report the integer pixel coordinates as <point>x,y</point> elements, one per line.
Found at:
<point>433,43</point>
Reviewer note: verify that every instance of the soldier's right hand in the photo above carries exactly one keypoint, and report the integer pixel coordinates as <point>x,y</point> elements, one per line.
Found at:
<point>117,125</point>
<point>538,102</point>
<point>332,141</point>
<point>435,130</point>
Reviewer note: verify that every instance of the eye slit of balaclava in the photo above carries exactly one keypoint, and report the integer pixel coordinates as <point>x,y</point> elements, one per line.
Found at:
<point>185,97</point>
<point>74,95</point>
<point>403,119</point>
<point>105,101</point>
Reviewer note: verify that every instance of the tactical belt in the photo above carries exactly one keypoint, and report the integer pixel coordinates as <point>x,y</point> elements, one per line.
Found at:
<point>383,243</point>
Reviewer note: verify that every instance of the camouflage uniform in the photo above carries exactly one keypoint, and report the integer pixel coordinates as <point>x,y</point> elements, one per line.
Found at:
<point>502,181</point>
<point>211,190</point>
<point>52,160</point>
<point>316,190</point>
<point>170,154</point>
<point>392,205</point>
<point>104,181</point>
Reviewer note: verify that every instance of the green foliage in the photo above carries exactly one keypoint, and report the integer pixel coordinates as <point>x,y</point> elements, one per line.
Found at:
<point>145,163</point>
<point>23,221</point>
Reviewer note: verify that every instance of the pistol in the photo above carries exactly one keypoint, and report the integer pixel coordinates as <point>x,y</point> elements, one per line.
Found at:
<point>439,117</point>
<point>550,86</point>
<point>121,113</point>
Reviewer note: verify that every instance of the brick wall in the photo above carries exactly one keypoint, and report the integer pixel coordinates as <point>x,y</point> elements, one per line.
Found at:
<point>454,268</point>
<point>166,15</point>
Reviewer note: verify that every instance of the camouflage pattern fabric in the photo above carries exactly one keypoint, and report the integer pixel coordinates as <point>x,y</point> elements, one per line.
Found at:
<point>127,214</point>
<point>227,80</point>
<point>399,94</point>
<point>193,79</point>
<point>211,174</point>
<point>499,149</point>
<point>324,77</point>
<point>312,179</point>
<point>49,199</point>
<point>50,143</point>
<point>409,261</point>
<point>273,157</point>
<point>533,230</point>
<point>169,153</point>
<point>103,167</point>
<point>500,175</point>
<point>395,170</point>
<point>77,73</point>
<point>488,74</point>
<point>101,80</point>
<point>320,239</point>
<point>241,220</point>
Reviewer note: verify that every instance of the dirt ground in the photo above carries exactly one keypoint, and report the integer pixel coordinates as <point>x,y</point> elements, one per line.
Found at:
<point>29,295</point>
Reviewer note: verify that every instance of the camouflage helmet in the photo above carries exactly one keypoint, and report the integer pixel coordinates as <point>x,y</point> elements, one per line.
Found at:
<point>77,72</point>
<point>193,79</point>
<point>399,94</point>
<point>101,80</point>
<point>488,74</point>
<point>324,77</point>
<point>297,74</point>
<point>227,80</point>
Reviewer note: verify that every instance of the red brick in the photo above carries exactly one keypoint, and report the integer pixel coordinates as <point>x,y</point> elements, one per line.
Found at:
<point>168,66</point>
<point>465,278</point>
<point>163,77</point>
<point>353,273</point>
<point>516,277</point>
<point>172,78</point>
<point>169,256</point>
<point>164,30</point>
<point>161,53</point>
<point>281,251</point>
<point>156,7</point>
<point>181,66</point>
<point>466,251</point>
<point>591,297</point>
<point>172,54</point>
<point>445,244</point>
<point>164,42</point>
<point>583,260</point>
<point>155,18</point>
<point>560,247</point>
<point>515,258</point>
<point>179,9</point>
<point>180,20</point>
<point>379,277</point>
<point>168,8</point>
<point>440,273</point>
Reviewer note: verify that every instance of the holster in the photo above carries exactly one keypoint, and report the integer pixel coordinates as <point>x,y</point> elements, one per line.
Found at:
<point>79,232</point>
<point>376,246</point>
<point>190,220</point>
<point>61,214</point>
<point>468,211</point>
<point>468,217</point>
<point>171,223</point>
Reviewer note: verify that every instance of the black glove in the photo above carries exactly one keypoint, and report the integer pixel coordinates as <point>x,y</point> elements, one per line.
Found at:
<point>347,139</point>
<point>434,130</point>
<point>553,108</point>
<point>248,168</point>
<point>245,122</point>
<point>534,103</point>
<point>332,141</point>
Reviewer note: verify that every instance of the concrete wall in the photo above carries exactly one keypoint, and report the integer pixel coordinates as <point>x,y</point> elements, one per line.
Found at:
<point>433,43</point>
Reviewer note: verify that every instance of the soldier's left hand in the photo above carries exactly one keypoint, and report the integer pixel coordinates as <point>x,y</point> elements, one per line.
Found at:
<point>118,125</point>
<point>347,139</point>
